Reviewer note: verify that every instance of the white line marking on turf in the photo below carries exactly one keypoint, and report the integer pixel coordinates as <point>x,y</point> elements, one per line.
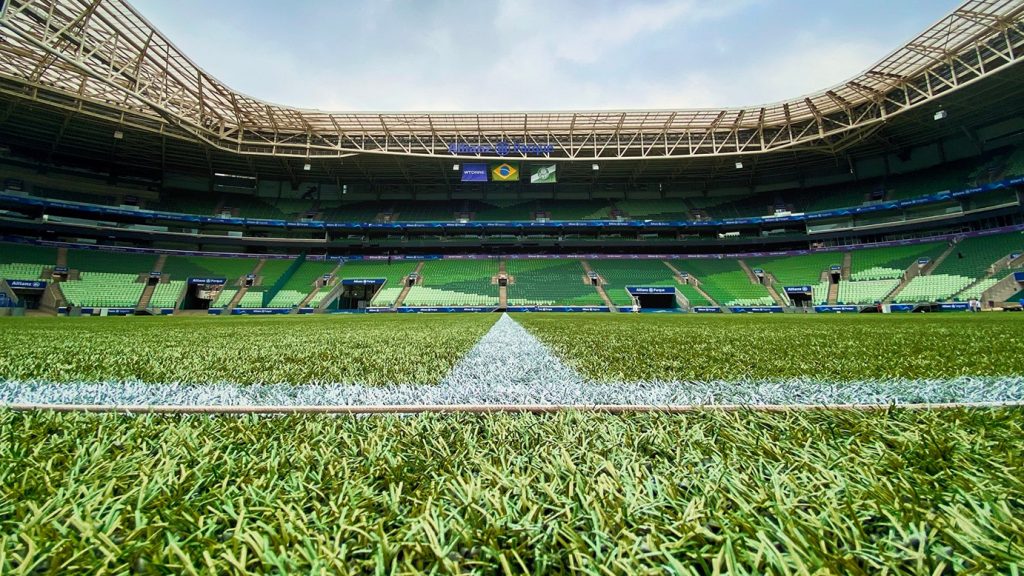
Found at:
<point>509,367</point>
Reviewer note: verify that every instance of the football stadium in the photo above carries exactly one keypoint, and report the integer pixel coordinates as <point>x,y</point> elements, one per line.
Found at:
<point>246,337</point>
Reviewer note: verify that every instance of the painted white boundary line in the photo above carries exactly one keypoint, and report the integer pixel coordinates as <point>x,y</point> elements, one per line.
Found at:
<point>509,370</point>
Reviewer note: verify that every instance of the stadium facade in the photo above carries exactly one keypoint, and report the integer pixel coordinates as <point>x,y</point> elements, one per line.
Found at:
<point>112,137</point>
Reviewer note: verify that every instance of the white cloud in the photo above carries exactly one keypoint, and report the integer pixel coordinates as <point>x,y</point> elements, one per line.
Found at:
<point>522,54</point>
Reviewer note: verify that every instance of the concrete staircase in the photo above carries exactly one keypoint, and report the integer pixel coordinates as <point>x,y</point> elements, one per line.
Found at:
<point>502,290</point>
<point>62,257</point>
<point>234,301</point>
<point>1002,290</point>
<point>833,294</point>
<point>147,295</point>
<point>847,266</point>
<point>913,271</point>
<point>695,283</point>
<point>406,287</point>
<point>768,281</point>
<point>599,287</point>
<point>935,263</point>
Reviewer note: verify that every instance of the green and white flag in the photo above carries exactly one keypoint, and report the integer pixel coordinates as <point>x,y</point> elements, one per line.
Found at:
<point>543,174</point>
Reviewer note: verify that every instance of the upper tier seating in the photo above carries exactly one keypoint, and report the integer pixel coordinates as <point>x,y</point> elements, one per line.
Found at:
<point>549,283</point>
<point>455,283</point>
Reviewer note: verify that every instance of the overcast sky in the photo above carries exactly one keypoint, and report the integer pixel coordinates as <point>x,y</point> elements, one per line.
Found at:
<point>536,54</point>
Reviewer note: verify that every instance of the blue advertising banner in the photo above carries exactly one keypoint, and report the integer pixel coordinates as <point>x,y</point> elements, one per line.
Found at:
<point>476,172</point>
<point>259,311</point>
<point>757,309</point>
<point>419,309</point>
<point>706,309</point>
<point>651,289</point>
<point>362,281</point>
<point>207,281</point>
<point>1018,276</point>
<point>557,309</point>
<point>29,284</point>
<point>902,307</point>
<point>798,289</point>
<point>835,268</point>
<point>837,308</point>
<point>950,306</point>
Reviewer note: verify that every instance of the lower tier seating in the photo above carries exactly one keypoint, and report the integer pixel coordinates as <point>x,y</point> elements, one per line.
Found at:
<point>866,291</point>
<point>103,290</point>
<point>166,295</point>
<point>549,283</point>
<point>934,288</point>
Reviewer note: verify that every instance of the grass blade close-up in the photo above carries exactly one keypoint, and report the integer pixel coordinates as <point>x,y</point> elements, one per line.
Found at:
<point>908,492</point>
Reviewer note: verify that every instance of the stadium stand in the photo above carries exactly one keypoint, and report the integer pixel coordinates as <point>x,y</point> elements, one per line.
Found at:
<point>455,283</point>
<point>940,288</point>
<point>866,291</point>
<point>972,257</point>
<point>726,282</point>
<point>20,262</point>
<point>889,263</point>
<point>224,298</point>
<point>166,295</point>
<point>549,283</point>
<point>103,261</point>
<point>300,283</point>
<point>694,297</point>
<point>618,274</point>
<point>103,290</point>
<point>184,267</point>
<point>391,272</point>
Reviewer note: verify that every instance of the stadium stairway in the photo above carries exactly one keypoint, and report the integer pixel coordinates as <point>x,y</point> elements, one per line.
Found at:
<point>599,287</point>
<point>1001,291</point>
<point>833,293</point>
<point>695,285</point>
<point>235,299</point>
<point>405,289</point>
<point>147,295</point>
<point>147,292</point>
<point>502,290</point>
<point>913,271</point>
<point>316,289</point>
<point>62,257</point>
<point>769,283</point>
<point>935,263</point>
<point>847,266</point>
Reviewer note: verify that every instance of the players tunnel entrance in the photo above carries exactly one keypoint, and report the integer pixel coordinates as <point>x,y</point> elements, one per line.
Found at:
<point>654,297</point>
<point>202,292</point>
<point>800,296</point>
<point>356,293</point>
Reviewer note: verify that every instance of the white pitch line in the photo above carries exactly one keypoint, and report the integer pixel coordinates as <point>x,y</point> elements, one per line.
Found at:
<point>510,370</point>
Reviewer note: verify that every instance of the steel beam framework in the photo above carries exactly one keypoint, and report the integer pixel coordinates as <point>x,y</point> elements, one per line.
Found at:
<point>103,59</point>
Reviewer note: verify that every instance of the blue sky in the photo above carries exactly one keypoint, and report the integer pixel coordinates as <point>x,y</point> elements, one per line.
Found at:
<point>536,54</point>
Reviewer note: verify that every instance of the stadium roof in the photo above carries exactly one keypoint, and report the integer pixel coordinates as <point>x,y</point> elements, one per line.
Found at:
<point>102,59</point>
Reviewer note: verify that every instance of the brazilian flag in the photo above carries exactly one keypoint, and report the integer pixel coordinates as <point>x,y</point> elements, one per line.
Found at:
<point>504,172</point>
